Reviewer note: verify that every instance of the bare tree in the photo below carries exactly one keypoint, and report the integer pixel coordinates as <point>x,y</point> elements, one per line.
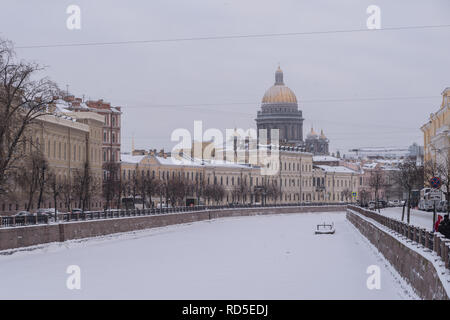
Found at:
<point>23,99</point>
<point>376,183</point>
<point>215,192</point>
<point>43,177</point>
<point>160,190</point>
<point>273,192</point>
<point>177,189</point>
<point>146,186</point>
<point>346,194</point>
<point>55,187</point>
<point>111,182</point>
<point>440,168</point>
<point>66,192</point>
<point>364,196</point>
<point>444,173</point>
<point>32,177</point>
<point>409,176</point>
<point>199,188</point>
<point>236,193</point>
<point>85,186</point>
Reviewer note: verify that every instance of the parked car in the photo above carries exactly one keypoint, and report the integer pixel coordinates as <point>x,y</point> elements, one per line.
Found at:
<point>371,205</point>
<point>426,205</point>
<point>382,204</point>
<point>76,210</point>
<point>23,214</point>
<point>394,203</point>
<point>163,205</point>
<point>441,206</point>
<point>46,212</point>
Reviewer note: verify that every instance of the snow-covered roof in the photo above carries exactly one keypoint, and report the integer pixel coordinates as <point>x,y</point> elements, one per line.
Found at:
<point>223,163</point>
<point>61,110</point>
<point>337,169</point>
<point>172,161</point>
<point>370,165</point>
<point>324,158</point>
<point>128,158</point>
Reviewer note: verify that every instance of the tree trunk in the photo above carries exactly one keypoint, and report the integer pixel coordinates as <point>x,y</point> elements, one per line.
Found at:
<point>409,207</point>
<point>56,206</point>
<point>41,190</point>
<point>403,211</point>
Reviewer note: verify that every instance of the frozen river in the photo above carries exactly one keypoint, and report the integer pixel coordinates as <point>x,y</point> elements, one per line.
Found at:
<point>262,257</point>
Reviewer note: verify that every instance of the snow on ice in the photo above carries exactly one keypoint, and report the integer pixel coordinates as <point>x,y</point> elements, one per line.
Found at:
<point>260,257</point>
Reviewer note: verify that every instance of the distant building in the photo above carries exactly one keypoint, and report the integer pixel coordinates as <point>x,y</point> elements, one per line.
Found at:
<point>111,133</point>
<point>316,144</point>
<point>279,110</point>
<point>326,160</point>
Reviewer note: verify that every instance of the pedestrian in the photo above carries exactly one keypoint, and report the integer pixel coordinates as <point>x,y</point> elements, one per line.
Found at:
<point>436,224</point>
<point>444,227</point>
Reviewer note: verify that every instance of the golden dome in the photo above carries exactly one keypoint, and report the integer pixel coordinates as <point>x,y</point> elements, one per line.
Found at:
<point>279,93</point>
<point>312,133</point>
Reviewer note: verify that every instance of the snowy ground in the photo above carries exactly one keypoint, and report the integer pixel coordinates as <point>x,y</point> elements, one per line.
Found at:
<point>418,218</point>
<point>262,257</point>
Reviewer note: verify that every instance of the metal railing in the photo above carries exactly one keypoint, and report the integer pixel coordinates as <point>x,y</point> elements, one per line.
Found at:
<point>432,241</point>
<point>20,221</point>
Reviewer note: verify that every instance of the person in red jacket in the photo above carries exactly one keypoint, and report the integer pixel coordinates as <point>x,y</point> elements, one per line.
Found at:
<point>436,225</point>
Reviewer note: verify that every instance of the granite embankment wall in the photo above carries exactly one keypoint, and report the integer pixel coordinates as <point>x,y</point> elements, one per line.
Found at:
<point>18,237</point>
<point>415,267</point>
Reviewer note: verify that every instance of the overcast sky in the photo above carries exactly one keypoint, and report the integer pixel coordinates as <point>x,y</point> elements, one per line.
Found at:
<point>222,81</point>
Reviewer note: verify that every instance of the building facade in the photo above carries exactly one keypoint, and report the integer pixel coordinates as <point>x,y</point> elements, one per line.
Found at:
<point>436,132</point>
<point>297,180</point>
<point>111,131</point>
<point>68,141</point>
<point>317,144</point>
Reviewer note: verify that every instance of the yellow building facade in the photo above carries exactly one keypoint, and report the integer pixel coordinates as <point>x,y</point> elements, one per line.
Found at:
<point>436,132</point>
<point>67,141</point>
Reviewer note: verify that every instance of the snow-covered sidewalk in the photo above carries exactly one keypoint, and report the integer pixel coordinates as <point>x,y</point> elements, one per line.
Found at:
<point>259,257</point>
<point>418,218</point>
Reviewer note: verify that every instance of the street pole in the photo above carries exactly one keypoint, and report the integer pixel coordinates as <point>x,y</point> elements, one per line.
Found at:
<point>434,214</point>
